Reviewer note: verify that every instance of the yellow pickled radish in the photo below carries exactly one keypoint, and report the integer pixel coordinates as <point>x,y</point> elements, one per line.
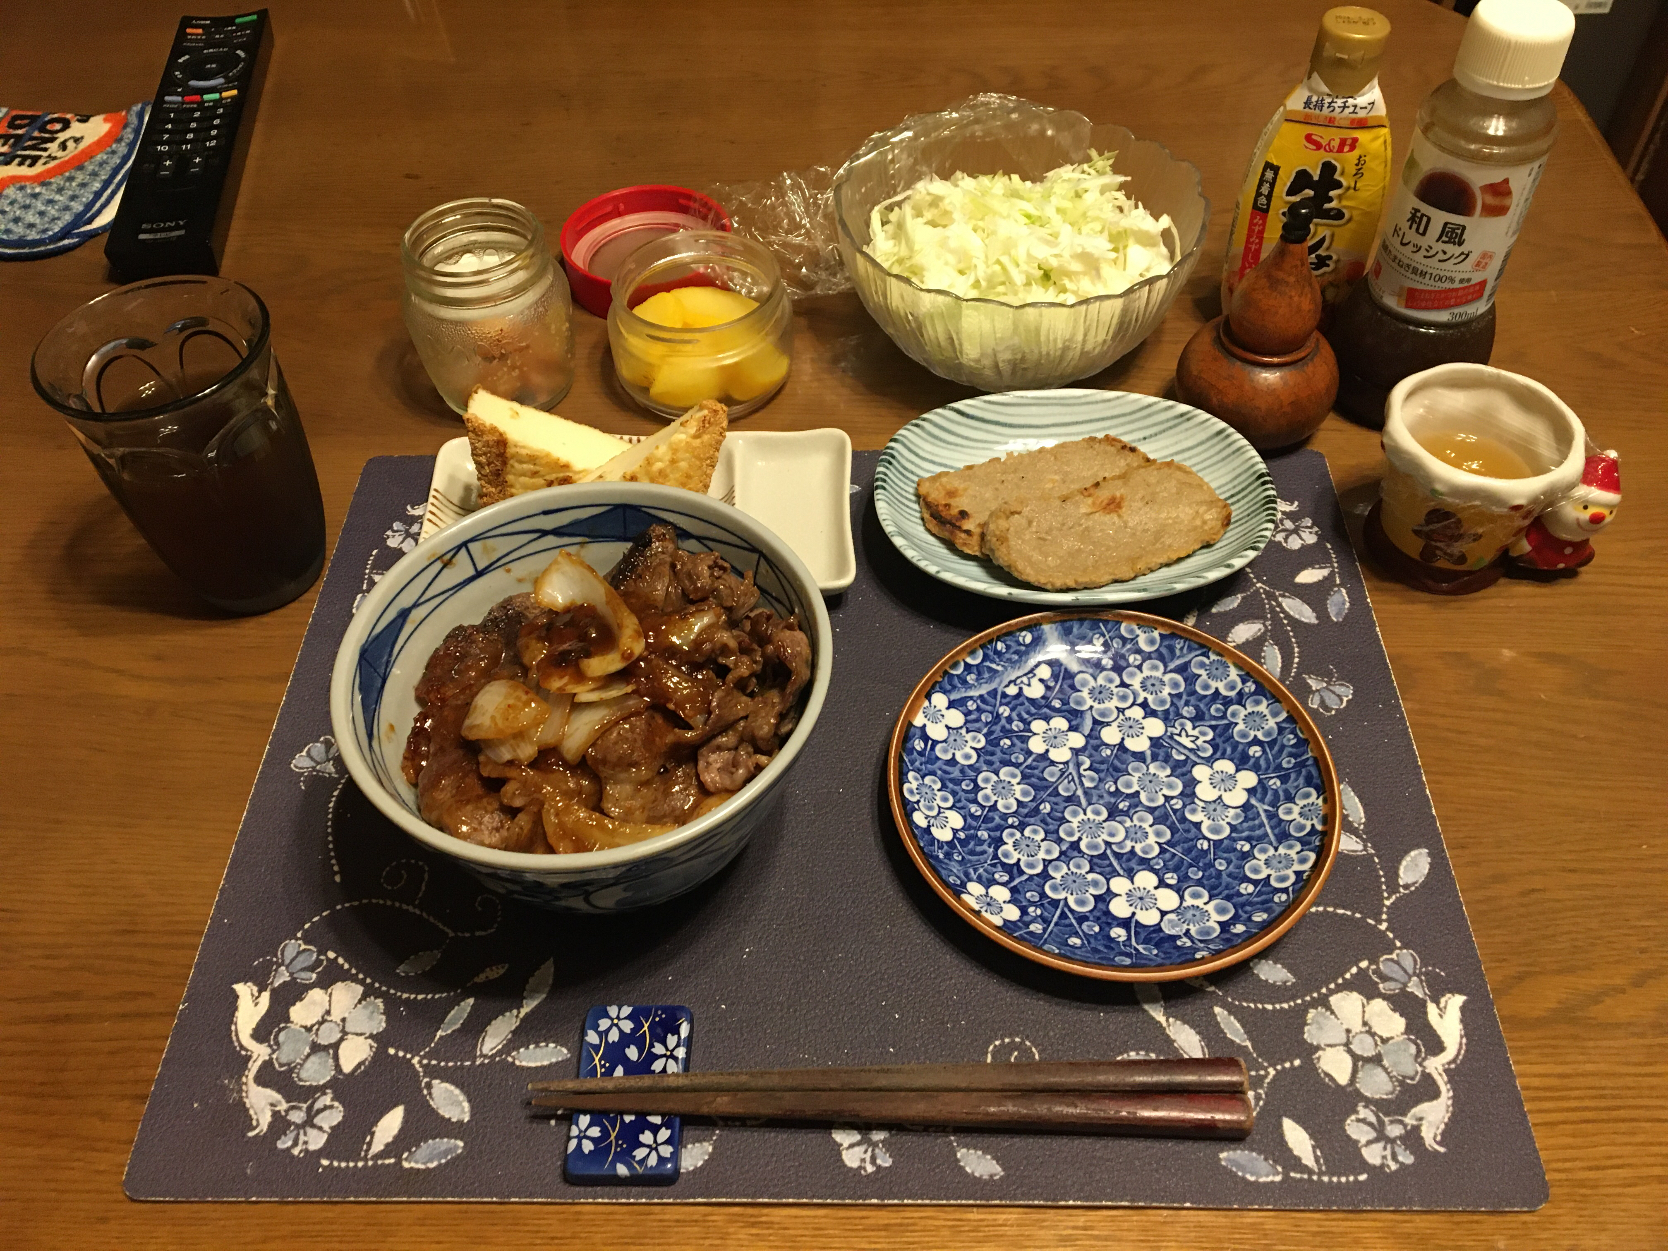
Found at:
<point>663,309</point>
<point>683,382</point>
<point>712,306</point>
<point>757,373</point>
<point>728,363</point>
<point>637,362</point>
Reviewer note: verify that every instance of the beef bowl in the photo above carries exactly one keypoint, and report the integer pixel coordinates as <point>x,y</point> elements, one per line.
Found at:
<point>587,696</point>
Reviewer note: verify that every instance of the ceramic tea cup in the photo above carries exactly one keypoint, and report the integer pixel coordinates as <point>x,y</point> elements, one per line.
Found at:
<point>1449,518</point>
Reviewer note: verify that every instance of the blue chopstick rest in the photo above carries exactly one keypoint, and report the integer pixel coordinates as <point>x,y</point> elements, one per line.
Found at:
<point>622,1040</point>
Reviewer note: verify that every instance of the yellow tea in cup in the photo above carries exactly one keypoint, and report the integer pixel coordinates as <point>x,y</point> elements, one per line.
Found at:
<point>1472,454</point>
<point>1475,453</point>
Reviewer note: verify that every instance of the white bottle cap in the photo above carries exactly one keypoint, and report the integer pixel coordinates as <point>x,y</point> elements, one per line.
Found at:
<point>1513,49</point>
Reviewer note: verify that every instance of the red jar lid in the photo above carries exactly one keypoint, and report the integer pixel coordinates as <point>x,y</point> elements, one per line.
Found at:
<point>602,232</point>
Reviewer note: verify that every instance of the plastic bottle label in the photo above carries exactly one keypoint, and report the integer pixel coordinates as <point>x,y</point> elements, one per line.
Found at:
<point>1447,234</point>
<point>1333,153</point>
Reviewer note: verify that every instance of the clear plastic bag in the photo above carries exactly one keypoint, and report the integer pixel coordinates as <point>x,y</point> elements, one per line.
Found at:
<point>792,214</point>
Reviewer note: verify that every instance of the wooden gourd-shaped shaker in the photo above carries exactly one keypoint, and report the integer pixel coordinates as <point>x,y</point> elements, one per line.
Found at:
<point>1264,368</point>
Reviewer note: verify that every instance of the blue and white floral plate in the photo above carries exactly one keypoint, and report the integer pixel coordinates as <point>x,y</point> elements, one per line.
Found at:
<point>1114,794</point>
<point>988,426</point>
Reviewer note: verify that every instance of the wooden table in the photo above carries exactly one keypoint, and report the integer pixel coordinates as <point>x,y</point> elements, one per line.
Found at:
<point>134,717</point>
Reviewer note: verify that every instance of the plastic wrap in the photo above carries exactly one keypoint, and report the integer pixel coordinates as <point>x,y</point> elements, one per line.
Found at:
<point>792,214</point>
<point>817,223</point>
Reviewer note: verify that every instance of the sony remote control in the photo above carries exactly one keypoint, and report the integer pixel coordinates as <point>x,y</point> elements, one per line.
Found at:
<point>177,205</point>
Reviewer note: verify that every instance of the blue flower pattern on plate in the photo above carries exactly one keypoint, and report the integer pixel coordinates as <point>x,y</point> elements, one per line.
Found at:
<point>1113,793</point>
<point>622,1040</point>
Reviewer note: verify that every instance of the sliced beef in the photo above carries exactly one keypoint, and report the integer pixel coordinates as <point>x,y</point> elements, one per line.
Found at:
<point>723,679</point>
<point>416,755</point>
<point>744,663</point>
<point>789,648</point>
<point>684,689</point>
<point>728,707</point>
<point>453,796</point>
<point>633,749</point>
<point>668,798</point>
<point>727,763</point>
<point>548,779</point>
<point>762,718</point>
<point>704,576</point>
<point>643,576</point>
<point>451,793</point>
<point>463,663</point>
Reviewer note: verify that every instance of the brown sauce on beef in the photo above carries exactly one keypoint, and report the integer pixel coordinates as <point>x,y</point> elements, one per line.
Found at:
<point>722,677</point>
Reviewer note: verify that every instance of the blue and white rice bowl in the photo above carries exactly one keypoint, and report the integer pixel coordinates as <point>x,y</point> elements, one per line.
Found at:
<point>1114,794</point>
<point>457,575</point>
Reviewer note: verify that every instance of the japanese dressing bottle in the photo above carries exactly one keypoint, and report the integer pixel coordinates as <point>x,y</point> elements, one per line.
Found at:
<point>1479,146</point>
<point>1327,146</point>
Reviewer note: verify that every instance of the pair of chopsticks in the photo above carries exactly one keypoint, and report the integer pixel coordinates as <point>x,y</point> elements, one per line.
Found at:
<point>1181,1098</point>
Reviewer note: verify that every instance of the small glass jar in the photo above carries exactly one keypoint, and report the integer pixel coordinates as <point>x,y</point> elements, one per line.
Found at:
<point>486,305</point>
<point>725,350</point>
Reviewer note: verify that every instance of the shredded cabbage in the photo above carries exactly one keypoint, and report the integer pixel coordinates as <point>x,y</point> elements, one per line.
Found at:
<point>1071,236</point>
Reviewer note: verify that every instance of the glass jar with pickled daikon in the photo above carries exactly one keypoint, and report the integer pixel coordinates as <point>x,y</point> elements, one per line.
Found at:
<point>700,315</point>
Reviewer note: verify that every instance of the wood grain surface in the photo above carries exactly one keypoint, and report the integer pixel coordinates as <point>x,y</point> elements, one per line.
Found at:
<point>134,718</point>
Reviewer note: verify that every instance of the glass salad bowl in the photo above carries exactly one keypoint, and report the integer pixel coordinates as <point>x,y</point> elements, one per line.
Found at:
<point>986,343</point>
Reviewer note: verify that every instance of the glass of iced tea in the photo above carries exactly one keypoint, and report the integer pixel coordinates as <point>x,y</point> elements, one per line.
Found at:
<point>172,389</point>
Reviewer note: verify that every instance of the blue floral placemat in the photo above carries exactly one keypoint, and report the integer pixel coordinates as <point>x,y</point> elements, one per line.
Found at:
<point>363,1019</point>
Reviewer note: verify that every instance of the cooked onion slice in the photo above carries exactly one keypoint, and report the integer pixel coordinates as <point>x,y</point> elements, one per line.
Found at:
<point>550,733</point>
<point>709,803</point>
<point>568,582</point>
<point>503,708</point>
<point>570,681</point>
<point>608,690</point>
<point>520,748</point>
<point>578,826</point>
<point>682,630</point>
<point>587,722</point>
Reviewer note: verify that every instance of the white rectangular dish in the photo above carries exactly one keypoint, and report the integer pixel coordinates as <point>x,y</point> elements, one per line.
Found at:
<point>796,482</point>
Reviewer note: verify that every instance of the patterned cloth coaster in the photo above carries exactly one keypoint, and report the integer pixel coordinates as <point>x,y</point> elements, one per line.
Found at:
<point>61,176</point>
<point>629,1150</point>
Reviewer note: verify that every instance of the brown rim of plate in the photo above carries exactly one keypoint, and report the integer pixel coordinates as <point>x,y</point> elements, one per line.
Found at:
<point>1294,910</point>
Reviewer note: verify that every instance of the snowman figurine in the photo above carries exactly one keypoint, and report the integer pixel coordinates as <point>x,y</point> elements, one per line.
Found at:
<point>1556,542</point>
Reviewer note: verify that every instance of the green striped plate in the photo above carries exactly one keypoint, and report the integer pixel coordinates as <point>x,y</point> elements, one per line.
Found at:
<point>990,425</point>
